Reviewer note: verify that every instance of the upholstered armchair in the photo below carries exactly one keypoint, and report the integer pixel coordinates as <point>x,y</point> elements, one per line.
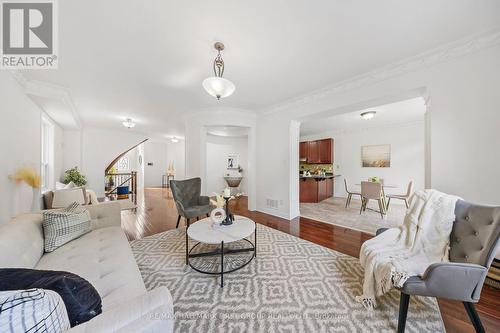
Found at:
<point>474,242</point>
<point>188,199</point>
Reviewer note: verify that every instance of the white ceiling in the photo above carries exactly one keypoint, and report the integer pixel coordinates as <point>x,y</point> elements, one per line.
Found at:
<point>146,60</point>
<point>407,111</point>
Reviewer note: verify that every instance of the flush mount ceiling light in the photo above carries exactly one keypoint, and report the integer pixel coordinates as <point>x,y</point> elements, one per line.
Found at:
<point>368,115</point>
<point>216,85</point>
<point>128,123</point>
<point>174,139</point>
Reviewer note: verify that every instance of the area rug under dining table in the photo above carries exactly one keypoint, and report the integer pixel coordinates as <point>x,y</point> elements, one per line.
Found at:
<point>292,285</point>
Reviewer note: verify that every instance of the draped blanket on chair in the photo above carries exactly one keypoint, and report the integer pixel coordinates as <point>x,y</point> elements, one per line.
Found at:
<point>398,253</point>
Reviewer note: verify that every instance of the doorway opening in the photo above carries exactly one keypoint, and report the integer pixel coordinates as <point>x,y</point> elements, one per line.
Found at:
<point>384,143</point>
<point>227,154</point>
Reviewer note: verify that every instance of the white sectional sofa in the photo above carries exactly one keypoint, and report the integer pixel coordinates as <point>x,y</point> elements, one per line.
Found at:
<point>104,258</point>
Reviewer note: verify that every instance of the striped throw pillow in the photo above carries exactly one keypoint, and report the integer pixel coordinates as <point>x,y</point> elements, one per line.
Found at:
<point>32,310</point>
<point>62,226</point>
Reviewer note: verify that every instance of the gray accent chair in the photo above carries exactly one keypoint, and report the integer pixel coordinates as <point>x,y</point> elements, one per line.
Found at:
<point>474,242</point>
<point>188,199</point>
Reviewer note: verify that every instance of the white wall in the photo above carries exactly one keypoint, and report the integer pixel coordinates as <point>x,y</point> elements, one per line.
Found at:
<point>19,145</point>
<point>463,101</point>
<point>407,155</point>
<point>218,148</point>
<point>71,149</point>
<point>156,153</point>
<point>176,154</point>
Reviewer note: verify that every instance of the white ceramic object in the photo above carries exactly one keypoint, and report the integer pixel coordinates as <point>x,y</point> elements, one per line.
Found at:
<point>218,215</point>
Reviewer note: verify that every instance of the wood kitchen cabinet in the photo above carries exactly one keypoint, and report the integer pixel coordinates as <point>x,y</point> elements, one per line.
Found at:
<point>325,151</point>
<point>313,152</point>
<point>319,151</point>
<point>315,190</point>
<point>303,151</point>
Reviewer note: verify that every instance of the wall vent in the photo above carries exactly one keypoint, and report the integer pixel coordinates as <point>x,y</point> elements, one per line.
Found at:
<point>271,203</point>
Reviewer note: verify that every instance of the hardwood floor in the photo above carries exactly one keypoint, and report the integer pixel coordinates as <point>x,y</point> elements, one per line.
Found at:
<point>157,213</point>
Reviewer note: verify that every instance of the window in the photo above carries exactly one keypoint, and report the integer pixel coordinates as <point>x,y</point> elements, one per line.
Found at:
<point>47,154</point>
<point>123,164</point>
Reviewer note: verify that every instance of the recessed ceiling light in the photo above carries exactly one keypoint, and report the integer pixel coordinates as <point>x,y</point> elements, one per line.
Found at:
<point>174,139</point>
<point>128,123</point>
<point>368,115</point>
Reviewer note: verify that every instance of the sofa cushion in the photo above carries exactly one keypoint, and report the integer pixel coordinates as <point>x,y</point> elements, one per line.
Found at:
<point>62,226</point>
<point>36,309</point>
<point>65,197</point>
<point>81,299</point>
<point>21,241</point>
<point>104,258</point>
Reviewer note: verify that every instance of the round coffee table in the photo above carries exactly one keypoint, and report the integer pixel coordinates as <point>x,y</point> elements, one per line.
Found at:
<point>207,234</point>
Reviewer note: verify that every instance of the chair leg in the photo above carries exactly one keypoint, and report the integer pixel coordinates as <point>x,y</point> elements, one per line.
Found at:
<point>362,204</point>
<point>474,317</point>
<point>406,204</point>
<point>366,204</point>
<point>187,223</point>
<point>197,218</point>
<point>347,200</point>
<point>381,208</point>
<point>404,302</point>
<point>178,220</point>
<point>208,215</point>
<point>388,202</point>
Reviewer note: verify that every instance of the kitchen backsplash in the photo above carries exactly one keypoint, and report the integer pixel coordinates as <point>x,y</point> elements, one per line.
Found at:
<point>312,167</point>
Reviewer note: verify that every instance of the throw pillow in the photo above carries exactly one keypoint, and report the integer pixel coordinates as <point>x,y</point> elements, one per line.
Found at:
<point>33,310</point>
<point>70,185</point>
<point>62,198</point>
<point>62,226</point>
<point>81,299</point>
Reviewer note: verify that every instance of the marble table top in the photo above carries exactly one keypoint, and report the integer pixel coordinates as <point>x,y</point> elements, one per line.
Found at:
<point>208,232</point>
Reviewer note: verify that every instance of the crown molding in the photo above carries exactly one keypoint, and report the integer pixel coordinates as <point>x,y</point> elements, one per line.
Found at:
<point>50,91</point>
<point>426,59</point>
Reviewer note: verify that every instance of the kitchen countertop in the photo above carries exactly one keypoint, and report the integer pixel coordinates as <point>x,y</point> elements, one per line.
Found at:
<point>327,176</point>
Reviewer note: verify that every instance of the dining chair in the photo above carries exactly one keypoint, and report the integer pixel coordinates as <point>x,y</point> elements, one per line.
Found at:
<point>349,194</point>
<point>405,197</point>
<point>372,191</point>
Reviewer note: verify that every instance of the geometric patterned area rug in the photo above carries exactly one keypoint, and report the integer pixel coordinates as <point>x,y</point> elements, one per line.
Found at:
<point>291,286</point>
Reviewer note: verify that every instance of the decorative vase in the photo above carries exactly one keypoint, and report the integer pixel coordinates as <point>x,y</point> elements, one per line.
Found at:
<point>24,199</point>
<point>229,217</point>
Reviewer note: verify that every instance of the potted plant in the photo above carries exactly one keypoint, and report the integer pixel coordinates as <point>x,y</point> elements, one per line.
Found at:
<point>111,171</point>
<point>73,175</point>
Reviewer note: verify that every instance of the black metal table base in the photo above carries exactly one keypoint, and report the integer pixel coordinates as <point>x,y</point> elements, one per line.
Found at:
<point>221,252</point>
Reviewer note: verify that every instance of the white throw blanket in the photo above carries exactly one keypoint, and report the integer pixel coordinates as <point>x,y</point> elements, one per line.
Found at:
<point>398,253</point>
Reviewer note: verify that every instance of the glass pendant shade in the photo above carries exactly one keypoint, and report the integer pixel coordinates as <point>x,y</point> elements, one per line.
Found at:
<point>218,87</point>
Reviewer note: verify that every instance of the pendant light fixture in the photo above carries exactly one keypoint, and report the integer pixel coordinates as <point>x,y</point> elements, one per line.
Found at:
<point>216,85</point>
